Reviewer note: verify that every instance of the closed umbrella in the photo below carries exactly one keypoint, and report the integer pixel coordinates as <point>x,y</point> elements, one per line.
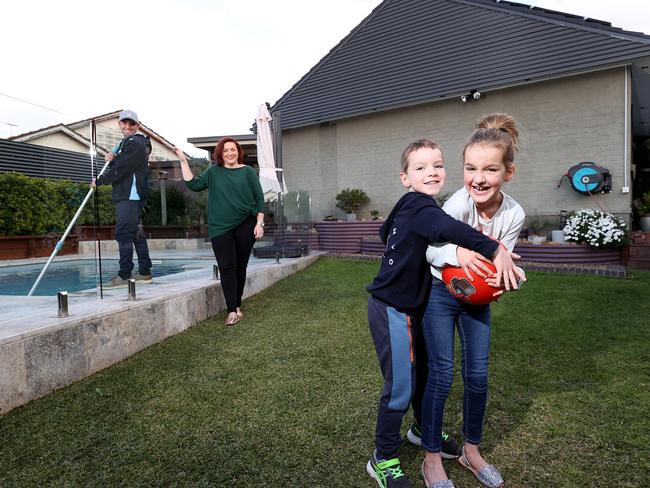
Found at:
<point>268,172</point>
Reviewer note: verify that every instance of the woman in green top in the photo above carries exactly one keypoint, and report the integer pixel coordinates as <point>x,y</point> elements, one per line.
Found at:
<point>235,216</point>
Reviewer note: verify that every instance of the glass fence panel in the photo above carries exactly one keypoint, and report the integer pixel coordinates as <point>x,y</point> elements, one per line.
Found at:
<point>289,230</point>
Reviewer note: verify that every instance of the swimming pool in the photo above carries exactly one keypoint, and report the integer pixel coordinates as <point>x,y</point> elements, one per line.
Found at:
<point>79,274</point>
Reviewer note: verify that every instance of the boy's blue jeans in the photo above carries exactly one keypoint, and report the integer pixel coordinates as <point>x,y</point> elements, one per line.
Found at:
<point>393,335</point>
<point>129,234</point>
<point>442,315</point>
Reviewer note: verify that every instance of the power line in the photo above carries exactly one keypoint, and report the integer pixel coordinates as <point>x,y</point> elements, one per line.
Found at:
<point>11,127</point>
<point>31,103</point>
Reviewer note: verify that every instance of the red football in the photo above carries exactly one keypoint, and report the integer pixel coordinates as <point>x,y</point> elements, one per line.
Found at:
<point>476,292</point>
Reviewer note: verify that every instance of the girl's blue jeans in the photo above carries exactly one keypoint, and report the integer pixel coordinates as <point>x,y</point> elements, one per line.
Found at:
<point>443,314</point>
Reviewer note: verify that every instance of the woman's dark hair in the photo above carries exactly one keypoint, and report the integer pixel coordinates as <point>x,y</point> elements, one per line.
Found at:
<point>217,155</point>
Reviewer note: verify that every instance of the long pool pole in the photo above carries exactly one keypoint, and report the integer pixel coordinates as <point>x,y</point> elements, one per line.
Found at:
<point>59,244</point>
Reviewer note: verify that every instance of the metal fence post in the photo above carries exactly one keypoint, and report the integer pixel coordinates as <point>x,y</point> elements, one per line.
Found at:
<point>62,298</point>
<point>131,296</point>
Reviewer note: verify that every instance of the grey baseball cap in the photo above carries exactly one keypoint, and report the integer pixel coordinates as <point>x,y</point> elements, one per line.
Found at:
<point>128,114</point>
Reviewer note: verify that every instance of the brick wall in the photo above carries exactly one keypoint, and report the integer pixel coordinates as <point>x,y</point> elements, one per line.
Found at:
<point>563,122</point>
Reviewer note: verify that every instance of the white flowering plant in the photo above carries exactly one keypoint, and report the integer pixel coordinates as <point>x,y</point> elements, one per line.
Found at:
<point>596,228</point>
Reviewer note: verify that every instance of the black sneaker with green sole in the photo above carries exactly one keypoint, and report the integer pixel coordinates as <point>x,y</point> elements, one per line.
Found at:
<point>450,449</point>
<point>387,472</point>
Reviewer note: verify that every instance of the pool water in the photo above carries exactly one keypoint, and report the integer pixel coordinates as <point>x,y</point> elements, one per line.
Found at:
<point>80,274</point>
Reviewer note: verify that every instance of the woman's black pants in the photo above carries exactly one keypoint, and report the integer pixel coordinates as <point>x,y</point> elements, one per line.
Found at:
<point>232,250</point>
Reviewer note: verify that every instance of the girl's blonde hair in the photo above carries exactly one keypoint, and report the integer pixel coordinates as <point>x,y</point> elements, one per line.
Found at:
<point>499,130</point>
<point>414,146</point>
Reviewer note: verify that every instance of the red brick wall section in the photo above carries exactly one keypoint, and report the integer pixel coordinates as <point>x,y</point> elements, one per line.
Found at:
<point>21,247</point>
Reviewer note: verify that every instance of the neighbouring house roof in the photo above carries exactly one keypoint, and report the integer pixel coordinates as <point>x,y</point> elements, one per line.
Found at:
<point>46,162</point>
<point>70,130</point>
<point>408,52</point>
<point>211,141</point>
<point>52,129</point>
<point>248,143</point>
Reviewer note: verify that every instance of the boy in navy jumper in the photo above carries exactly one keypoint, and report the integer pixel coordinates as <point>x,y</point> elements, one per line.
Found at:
<point>400,291</point>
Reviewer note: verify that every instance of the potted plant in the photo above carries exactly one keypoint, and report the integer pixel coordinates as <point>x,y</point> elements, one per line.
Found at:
<point>642,210</point>
<point>350,200</point>
<point>534,231</point>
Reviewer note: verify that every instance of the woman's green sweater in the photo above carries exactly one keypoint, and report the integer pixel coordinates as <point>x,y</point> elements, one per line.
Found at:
<point>233,196</point>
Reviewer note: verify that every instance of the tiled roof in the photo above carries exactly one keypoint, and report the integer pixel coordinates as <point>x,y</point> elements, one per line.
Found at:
<point>409,52</point>
<point>27,136</point>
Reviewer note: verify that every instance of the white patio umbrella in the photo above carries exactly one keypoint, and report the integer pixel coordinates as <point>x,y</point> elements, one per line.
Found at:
<point>268,172</point>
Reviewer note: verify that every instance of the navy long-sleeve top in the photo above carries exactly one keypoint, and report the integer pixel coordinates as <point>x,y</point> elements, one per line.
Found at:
<point>416,221</point>
<point>131,161</point>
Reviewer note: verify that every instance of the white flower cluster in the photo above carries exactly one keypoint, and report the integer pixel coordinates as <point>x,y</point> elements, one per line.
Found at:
<point>596,228</point>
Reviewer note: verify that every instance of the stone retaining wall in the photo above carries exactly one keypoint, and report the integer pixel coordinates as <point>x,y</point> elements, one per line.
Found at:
<point>88,247</point>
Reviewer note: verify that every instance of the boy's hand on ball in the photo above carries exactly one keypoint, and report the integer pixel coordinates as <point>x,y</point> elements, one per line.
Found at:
<point>472,261</point>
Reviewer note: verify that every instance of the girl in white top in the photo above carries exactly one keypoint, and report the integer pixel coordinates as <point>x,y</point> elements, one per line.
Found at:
<point>504,226</point>
<point>488,163</point>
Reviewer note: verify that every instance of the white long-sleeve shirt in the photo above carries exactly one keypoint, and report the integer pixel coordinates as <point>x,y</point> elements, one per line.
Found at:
<point>504,226</point>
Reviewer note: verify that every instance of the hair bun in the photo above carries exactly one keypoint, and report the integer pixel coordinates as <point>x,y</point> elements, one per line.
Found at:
<point>498,129</point>
<point>502,122</point>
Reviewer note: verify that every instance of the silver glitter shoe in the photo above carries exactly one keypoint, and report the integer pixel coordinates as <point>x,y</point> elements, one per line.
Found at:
<point>488,476</point>
<point>436,484</point>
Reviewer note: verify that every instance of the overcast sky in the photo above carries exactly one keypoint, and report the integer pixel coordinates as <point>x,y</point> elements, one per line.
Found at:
<point>189,68</point>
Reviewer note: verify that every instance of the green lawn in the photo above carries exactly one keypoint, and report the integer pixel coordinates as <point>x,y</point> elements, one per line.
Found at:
<point>287,398</point>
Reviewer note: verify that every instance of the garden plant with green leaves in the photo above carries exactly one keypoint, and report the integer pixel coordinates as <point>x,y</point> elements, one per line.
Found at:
<point>350,200</point>
<point>40,206</point>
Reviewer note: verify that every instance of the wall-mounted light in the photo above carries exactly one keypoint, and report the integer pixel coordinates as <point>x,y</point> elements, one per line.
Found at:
<point>472,95</point>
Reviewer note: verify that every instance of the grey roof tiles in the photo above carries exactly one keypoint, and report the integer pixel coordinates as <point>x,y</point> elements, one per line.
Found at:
<point>409,52</point>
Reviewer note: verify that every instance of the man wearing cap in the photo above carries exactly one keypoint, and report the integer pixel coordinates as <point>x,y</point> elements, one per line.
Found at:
<point>128,171</point>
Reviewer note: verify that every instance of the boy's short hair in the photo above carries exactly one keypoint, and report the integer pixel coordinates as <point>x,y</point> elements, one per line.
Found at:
<point>414,146</point>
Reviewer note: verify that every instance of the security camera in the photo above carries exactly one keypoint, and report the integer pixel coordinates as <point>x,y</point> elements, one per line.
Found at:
<point>463,98</point>
<point>476,95</point>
